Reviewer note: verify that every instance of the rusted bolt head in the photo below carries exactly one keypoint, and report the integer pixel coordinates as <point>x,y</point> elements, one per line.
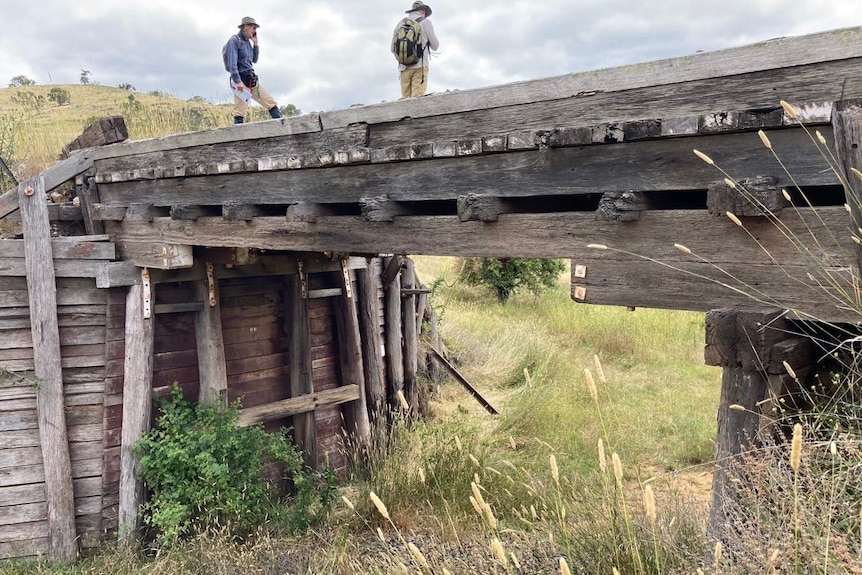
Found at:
<point>29,190</point>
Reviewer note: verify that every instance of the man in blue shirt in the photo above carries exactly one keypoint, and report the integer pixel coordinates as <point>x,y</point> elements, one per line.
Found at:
<point>241,53</point>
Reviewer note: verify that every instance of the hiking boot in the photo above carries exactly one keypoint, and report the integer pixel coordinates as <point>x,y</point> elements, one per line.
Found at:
<point>275,113</point>
<point>238,119</point>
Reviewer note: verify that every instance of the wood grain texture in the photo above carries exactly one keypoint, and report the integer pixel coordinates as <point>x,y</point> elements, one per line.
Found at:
<point>651,165</point>
<point>137,378</point>
<point>48,372</point>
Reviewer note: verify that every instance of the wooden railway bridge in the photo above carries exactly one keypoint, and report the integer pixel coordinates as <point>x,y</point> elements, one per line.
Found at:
<point>190,243</point>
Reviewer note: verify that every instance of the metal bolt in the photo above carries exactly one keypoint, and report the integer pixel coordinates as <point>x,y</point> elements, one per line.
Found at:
<point>29,190</point>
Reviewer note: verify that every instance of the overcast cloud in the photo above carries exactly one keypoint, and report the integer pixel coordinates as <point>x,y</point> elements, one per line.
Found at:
<point>328,54</point>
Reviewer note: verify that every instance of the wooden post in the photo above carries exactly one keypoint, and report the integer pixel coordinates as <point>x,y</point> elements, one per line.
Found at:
<point>408,323</point>
<point>737,434</point>
<point>210,341</point>
<point>301,383</point>
<point>88,196</point>
<point>847,128</point>
<point>394,353</point>
<point>137,406</point>
<point>50,410</point>
<point>741,343</point>
<point>350,353</point>
<point>372,343</point>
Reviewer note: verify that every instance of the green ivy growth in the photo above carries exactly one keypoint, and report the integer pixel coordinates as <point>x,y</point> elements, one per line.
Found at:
<point>205,473</point>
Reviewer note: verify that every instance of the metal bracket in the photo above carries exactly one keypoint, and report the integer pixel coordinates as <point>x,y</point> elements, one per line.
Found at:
<point>345,271</point>
<point>211,285</point>
<point>148,294</point>
<point>303,279</point>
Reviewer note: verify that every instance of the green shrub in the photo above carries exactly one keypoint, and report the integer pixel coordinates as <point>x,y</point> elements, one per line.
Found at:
<point>206,473</point>
<point>511,275</point>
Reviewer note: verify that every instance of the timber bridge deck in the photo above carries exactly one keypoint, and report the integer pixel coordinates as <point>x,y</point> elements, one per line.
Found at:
<point>548,168</point>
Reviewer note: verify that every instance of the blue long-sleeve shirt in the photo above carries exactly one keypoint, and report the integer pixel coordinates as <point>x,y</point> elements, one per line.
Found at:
<point>241,56</point>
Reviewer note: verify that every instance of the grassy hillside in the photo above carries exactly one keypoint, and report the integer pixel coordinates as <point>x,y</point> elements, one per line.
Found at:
<point>37,121</point>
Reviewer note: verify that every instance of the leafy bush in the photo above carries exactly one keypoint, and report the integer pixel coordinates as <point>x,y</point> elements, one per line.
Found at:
<point>59,96</point>
<point>205,473</point>
<point>508,276</point>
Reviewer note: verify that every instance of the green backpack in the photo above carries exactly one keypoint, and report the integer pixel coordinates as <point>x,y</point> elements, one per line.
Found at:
<point>407,42</point>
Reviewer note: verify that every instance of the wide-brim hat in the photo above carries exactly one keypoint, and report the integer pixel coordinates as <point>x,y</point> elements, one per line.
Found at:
<point>420,6</point>
<point>248,20</point>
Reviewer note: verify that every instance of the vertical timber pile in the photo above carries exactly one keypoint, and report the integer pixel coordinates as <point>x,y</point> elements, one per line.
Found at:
<point>137,405</point>
<point>300,365</point>
<point>50,407</point>
<point>391,280</point>
<point>210,341</point>
<point>350,352</point>
<point>409,325</point>
<point>372,343</point>
<point>753,348</point>
<point>847,127</point>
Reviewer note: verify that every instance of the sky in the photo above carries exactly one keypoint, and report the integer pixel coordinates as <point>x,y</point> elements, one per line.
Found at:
<point>330,54</point>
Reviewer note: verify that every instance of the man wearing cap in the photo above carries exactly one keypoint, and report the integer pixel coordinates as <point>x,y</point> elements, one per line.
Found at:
<point>241,53</point>
<point>414,78</point>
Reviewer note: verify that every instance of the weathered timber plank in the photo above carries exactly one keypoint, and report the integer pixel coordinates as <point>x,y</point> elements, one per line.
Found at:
<point>251,132</point>
<point>700,287</point>
<point>62,268</point>
<point>768,55</point>
<point>298,405</point>
<point>157,255</point>
<point>654,100</point>
<point>94,247</point>
<point>651,165</point>
<point>525,235</point>
<point>53,434</point>
<point>53,177</point>
<point>231,146</point>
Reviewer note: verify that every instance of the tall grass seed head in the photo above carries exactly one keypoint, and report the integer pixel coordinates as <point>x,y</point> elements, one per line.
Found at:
<point>417,555</point>
<point>381,507</point>
<point>564,567</point>
<point>788,109</point>
<point>499,552</point>
<point>703,157</point>
<point>618,469</point>
<point>733,218</point>
<point>796,447</point>
<point>348,503</point>
<point>597,363</point>
<point>555,471</point>
<point>716,554</point>
<point>764,139</point>
<point>403,401</point>
<point>603,460</point>
<point>591,385</point>
<point>649,503</point>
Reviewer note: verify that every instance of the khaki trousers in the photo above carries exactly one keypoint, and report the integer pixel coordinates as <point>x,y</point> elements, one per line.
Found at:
<point>259,95</point>
<point>414,82</point>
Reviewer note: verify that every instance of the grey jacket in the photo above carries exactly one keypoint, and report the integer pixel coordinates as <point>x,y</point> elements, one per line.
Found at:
<point>429,38</point>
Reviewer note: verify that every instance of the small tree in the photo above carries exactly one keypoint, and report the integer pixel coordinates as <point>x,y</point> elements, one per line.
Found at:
<point>510,275</point>
<point>59,96</point>
<point>22,80</point>
<point>85,76</point>
<point>289,110</point>
<point>126,86</point>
